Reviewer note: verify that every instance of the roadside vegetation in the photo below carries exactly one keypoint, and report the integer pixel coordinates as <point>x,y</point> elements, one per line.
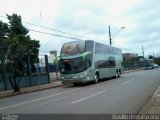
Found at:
<point>16,45</point>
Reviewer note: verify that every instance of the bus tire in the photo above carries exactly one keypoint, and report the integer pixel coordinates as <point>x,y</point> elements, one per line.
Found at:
<point>117,73</point>
<point>96,78</point>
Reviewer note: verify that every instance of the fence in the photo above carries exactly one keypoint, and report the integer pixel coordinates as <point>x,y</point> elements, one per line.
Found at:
<point>132,65</point>
<point>33,74</point>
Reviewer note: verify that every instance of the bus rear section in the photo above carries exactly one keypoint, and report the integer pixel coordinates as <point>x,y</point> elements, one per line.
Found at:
<point>108,61</point>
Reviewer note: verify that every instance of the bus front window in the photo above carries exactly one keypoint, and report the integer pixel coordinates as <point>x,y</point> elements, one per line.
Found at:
<point>73,48</point>
<point>72,66</point>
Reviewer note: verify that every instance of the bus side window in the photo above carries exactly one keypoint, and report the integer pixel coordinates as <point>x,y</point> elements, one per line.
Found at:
<point>111,63</point>
<point>89,48</point>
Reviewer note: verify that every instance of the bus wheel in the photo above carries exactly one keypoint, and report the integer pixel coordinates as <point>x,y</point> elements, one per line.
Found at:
<point>96,78</point>
<point>117,74</point>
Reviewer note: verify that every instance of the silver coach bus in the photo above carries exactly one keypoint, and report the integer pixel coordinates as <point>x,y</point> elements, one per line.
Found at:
<point>84,61</point>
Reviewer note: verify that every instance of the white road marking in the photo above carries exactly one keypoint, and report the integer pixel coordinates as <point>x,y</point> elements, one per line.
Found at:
<point>128,81</point>
<point>42,98</point>
<point>88,97</point>
<point>48,102</point>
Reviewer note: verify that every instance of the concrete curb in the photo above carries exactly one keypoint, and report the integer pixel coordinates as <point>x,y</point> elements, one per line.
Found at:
<point>128,71</point>
<point>157,93</point>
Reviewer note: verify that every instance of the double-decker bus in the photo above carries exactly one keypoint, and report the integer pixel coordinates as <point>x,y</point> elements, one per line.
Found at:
<point>84,61</point>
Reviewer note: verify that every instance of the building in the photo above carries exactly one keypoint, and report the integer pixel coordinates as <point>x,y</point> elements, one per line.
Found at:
<point>129,56</point>
<point>51,57</point>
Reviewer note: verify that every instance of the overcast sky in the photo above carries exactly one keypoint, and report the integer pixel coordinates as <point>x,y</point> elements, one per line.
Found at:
<point>91,18</point>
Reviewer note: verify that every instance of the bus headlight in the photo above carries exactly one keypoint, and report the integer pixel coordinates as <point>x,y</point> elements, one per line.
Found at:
<point>79,76</point>
<point>75,77</point>
<point>62,77</point>
<point>84,74</point>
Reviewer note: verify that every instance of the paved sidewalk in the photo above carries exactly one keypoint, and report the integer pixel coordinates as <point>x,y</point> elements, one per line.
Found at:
<point>8,93</point>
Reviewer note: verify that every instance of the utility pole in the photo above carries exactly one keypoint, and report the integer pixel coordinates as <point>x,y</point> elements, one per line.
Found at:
<point>110,40</point>
<point>143,54</point>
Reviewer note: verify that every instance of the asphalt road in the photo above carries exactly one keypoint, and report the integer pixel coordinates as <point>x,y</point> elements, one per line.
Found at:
<point>126,94</point>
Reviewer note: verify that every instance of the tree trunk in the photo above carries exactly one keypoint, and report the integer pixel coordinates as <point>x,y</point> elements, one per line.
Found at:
<point>16,89</point>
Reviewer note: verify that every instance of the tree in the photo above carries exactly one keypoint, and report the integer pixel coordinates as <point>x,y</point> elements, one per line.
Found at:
<point>20,45</point>
<point>3,39</point>
<point>15,26</point>
<point>151,57</point>
<point>157,61</point>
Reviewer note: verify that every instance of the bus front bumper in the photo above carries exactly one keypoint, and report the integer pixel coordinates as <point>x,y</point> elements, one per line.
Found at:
<point>75,79</point>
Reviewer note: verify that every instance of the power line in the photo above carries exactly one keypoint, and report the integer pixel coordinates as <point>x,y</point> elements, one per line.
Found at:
<point>61,35</point>
<point>59,31</point>
<point>50,28</point>
<point>56,31</point>
<point>55,34</point>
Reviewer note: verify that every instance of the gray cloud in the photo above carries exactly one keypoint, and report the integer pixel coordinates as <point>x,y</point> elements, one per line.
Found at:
<point>80,16</point>
<point>141,22</point>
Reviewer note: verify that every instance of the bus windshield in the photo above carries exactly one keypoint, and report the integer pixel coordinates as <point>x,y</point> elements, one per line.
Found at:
<point>73,48</point>
<point>71,66</point>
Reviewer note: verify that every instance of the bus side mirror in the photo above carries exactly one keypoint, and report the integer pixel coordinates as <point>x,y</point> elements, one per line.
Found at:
<point>85,54</point>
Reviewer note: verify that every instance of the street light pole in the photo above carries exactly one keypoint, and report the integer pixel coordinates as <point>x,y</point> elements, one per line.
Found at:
<point>110,38</point>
